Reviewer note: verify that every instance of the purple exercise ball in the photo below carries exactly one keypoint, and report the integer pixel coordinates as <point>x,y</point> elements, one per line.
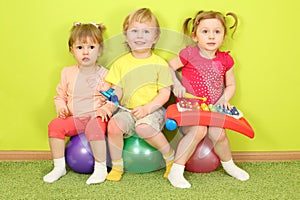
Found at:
<point>79,156</point>
<point>204,159</point>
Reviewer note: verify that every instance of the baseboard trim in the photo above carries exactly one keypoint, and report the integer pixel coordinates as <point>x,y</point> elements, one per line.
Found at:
<point>266,156</point>
<point>237,156</point>
<point>25,155</point>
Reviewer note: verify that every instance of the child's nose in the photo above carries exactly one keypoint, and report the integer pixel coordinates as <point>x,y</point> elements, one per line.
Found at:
<point>140,34</point>
<point>85,51</point>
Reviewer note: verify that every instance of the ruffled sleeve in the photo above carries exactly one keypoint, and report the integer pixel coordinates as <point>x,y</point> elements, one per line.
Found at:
<point>226,59</point>
<point>185,55</point>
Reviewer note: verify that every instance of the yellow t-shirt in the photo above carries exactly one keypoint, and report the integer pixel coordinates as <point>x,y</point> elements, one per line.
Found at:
<point>140,79</point>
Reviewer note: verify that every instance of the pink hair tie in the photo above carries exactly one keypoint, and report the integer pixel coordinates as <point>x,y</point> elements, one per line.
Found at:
<point>94,24</point>
<point>77,24</point>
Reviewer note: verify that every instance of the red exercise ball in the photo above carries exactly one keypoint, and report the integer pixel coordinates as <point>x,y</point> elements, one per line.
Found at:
<point>204,159</point>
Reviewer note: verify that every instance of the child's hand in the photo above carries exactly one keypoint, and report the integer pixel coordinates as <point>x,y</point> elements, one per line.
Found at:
<point>63,113</point>
<point>140,112</point>
<point>224,104</point>
<point>178,90</point>
<point>105,114</point>
<point>103,99</point>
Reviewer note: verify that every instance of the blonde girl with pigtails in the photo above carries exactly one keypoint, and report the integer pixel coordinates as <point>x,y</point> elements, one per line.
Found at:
<point>206,72</point>
<point>78,102</point>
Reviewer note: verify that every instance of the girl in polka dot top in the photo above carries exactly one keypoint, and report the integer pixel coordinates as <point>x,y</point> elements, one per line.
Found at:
<point>206,72</point>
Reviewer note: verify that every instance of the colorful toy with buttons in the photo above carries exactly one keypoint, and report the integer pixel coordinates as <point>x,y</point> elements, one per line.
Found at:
<point>185,104</point>
<point>191,112</point>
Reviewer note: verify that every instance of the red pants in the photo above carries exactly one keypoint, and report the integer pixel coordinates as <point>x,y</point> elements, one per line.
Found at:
<point>94,129</point>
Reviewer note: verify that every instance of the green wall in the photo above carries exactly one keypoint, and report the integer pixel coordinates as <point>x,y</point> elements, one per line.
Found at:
<point>33,50</point>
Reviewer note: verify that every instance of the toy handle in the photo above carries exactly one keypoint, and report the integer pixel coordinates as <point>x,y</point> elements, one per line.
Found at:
<point>190,96</point>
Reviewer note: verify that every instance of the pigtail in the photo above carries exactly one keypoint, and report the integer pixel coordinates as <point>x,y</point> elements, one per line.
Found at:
<point>185,26</point>
<point>195,23</point>
<point>234,26</point>
<point>101,27</point>
<point>198,13</point>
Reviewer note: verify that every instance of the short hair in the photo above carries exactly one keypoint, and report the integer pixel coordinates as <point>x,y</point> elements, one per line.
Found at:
<point>83,31</point>
<point>141,15</point>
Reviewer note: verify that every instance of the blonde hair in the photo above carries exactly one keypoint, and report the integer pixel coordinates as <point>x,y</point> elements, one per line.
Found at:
<point>83,31</point>
<point>141,15</point>
<point>201,15</point>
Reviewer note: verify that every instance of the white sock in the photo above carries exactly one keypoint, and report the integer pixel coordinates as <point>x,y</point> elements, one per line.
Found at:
<point>58,171</point>
<point>176,177</point>
<point>234,170</point>
<point>99,174</point>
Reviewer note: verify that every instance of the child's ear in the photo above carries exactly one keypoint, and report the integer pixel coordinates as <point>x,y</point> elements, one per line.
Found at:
<point>194,38</point>
<point>156,38</point>
<point>100,50</point>
<point>125,35</point>
<point>71,50</point>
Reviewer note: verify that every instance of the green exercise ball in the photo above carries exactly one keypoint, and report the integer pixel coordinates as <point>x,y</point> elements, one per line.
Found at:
<point>140,157</point>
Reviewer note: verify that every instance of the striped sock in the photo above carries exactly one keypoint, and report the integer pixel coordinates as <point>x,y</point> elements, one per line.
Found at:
<point>169,159</point>
<point>117,170</point>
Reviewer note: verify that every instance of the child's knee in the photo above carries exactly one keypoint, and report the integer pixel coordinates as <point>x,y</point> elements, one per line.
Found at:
<point>196,132</point>
<point>200,133</point>
<point>146,131</point>
<point>55,129</point>
<point>95,135</point>
<point>217,135</point>
<point>95,130</point>
<point>116,127</point>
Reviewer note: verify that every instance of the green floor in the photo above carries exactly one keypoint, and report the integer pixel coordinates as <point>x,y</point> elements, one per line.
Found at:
<point>270,180</point>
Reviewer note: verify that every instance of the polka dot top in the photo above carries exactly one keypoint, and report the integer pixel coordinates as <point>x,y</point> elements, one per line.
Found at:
<point>204,77</point>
